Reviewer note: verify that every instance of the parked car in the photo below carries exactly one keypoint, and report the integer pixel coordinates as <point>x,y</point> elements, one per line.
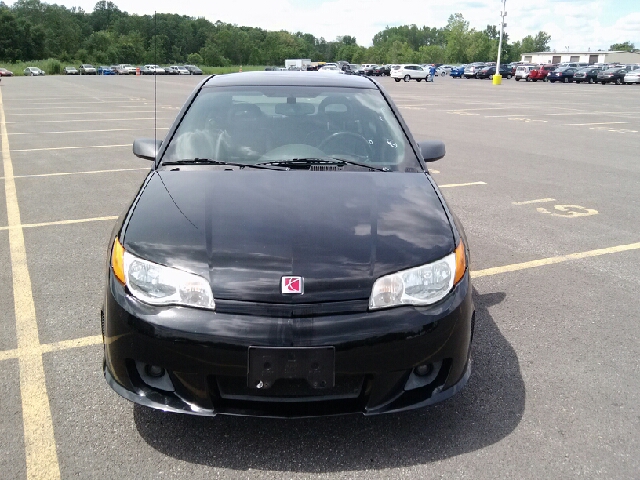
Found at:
<point>330,69</point>
<point>408,72</point>
<point>153,70</point>
<point>382,70</point>
<point>472,69</point>
<point>193,70</point>
<point>368,68</point>
<point>105,70</point>
<point>179,70</point>
<point>613,75</point>
<point>541,72</point>
<point>5,73</point>
<point>457,72</point>
<point>87,69</point>
<point>125,69</point>
<point>523,71</point>
<point>587,75</point>
<point>33,72</point>
<point>443,70</point>
<point>562,74</point>
<point>489,72</point>
<point>210,309</point>
<point>632,77</point>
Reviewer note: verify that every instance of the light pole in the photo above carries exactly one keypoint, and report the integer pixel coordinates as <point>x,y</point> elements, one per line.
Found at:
<point>497,77</point>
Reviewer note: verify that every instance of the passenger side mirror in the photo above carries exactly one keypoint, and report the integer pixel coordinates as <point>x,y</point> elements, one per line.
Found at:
<point>146,148</point>
<point>431,150</point>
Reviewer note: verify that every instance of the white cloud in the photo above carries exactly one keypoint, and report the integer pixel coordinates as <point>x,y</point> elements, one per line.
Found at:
<point>574,23</point>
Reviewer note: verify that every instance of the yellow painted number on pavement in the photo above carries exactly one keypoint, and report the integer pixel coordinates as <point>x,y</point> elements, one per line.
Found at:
<point>569,211</point>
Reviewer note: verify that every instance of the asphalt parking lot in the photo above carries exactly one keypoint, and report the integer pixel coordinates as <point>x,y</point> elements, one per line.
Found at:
<point>546,180</point>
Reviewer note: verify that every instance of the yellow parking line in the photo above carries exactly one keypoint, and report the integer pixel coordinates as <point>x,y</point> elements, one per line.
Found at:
<point>39,439</point>
<point>75,343</point>
<point>58,222</point>
<point>51,347</point>
<point>552,260</point>
<point>539,200</point>
<point>71,148</point>
<point>451,185</point>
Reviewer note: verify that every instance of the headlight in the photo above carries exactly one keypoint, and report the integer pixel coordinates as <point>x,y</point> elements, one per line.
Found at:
<point>159,285</point>
<point>422,285</point>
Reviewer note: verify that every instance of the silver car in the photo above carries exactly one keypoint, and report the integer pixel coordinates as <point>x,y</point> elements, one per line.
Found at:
<point>632,77</point>
<point>33,72</point>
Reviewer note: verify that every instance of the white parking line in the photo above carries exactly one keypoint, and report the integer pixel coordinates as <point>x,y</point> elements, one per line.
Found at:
<point>599,123</point>
<point>92,120</point>
<point>61,174</point>
<point>71,148</point>
<point>94,113</point>
<point>452,185</point>
<point>88,131</point>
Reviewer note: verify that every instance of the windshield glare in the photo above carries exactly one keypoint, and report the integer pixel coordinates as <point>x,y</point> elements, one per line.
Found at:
<point>271,124</point>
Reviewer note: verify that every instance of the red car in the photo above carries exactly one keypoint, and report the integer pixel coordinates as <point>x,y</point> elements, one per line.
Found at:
<point>5,73</point>
<point>541,72</point>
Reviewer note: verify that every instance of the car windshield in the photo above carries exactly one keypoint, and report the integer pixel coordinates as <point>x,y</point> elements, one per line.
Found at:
<point>251,125</point>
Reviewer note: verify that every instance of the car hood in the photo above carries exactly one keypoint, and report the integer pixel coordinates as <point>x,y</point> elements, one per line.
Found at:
<point>244,230</point>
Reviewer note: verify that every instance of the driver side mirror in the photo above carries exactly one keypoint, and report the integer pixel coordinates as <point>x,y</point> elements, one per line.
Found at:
<point>146,148</point>
<point>431,150</point>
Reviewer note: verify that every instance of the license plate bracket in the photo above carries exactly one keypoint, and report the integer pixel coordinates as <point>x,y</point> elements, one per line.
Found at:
<point>316,365</point>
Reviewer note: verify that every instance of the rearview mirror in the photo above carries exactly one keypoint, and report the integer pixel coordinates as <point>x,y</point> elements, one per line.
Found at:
<point>431,150</point>
<point>146,148</point>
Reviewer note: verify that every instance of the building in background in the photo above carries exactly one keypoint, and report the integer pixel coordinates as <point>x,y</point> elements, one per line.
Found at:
<point>586,57</point>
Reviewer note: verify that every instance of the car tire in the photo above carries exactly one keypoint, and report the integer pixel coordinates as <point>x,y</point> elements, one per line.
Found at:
<point>566,80</point>
<point>418,79</point>
<point>508,77</point>
<point>528,79</point>
<point>397,79</point>
<point>591,81</point>
<point>407,78</point>
<point>517,79</point>
<point>618,81</point>
<point>534,79</point>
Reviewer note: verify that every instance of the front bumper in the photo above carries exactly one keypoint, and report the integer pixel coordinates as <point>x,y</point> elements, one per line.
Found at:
<point>204,357</point>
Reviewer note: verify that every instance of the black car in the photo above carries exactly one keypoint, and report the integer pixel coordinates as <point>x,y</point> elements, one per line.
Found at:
<point>193,70</point>
<point>613,75</point>
<point>562,74</point>
<point>587,75</point>
<point>382,70</point>
<point>288,255</point>
<point>489,72</point>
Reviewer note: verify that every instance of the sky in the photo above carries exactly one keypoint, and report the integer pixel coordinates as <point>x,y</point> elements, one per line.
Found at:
<point>572,24</point>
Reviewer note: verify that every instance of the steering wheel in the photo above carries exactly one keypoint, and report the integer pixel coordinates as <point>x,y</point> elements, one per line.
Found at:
<point>336,140</point>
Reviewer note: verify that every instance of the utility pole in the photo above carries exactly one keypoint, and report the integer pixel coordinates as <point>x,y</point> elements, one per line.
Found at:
<point>503,13</point>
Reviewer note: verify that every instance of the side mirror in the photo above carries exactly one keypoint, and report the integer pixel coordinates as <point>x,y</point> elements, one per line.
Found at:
<point>146,148</point>
<point>431,150</point>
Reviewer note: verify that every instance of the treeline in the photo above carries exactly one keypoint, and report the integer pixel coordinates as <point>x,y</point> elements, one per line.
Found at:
<point>33,30</point>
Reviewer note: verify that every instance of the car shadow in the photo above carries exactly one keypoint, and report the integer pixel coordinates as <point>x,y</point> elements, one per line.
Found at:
<point>488,409</point>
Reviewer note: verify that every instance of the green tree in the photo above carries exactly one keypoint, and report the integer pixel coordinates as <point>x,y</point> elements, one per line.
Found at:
<point>626,47</point>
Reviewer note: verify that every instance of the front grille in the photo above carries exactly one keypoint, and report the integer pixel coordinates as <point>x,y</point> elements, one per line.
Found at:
<point>290,390</point>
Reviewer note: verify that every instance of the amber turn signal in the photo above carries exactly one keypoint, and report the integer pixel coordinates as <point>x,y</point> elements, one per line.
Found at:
<point>117,260</point>
<point>461,262</point>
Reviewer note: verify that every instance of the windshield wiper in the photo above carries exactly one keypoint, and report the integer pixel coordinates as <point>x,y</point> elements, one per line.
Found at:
<point>210,161</point>
<point>306,162</point>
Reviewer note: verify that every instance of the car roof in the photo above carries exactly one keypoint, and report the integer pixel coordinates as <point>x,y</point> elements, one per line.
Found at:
<point>311,79</point>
